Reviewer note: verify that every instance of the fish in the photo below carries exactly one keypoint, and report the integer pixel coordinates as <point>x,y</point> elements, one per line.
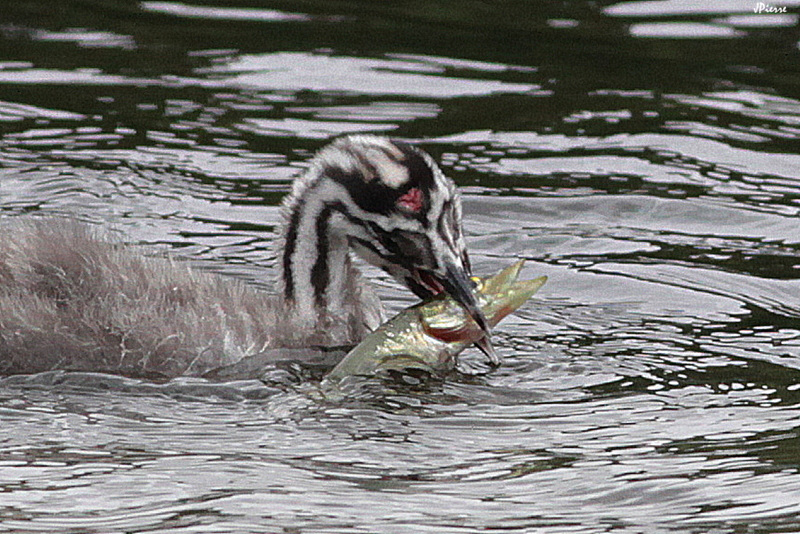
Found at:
<point>429,336</point>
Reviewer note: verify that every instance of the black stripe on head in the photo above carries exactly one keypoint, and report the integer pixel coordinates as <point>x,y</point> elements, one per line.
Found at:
<point>412,249</point>
<point>417,288</point>
<point>368,245</point>
<point>466,263</point>
<point>420,173</point>
<point>447,224</point>
<point>372,194</point>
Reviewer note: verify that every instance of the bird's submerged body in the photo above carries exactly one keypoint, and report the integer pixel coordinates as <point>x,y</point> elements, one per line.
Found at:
<point>72,299</point>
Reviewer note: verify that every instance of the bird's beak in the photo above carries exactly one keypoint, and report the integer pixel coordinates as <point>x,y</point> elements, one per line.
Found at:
<point>458,285</point>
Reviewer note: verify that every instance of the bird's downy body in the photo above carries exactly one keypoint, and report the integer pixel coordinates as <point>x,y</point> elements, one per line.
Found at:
<point>71,299</point>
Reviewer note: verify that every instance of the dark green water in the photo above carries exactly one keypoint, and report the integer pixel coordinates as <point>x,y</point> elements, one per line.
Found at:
<point>643,155</point>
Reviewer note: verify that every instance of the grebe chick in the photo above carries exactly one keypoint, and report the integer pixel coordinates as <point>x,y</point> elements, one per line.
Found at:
<point>72,300</point>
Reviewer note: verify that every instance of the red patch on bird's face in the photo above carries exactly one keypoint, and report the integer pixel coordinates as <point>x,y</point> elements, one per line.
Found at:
<point>411,200</point>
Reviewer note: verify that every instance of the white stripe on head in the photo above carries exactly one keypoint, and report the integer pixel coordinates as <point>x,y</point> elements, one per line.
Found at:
<point>390,172</point>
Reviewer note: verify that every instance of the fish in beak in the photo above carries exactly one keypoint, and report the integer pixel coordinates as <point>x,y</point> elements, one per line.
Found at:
<point>462,290</point>
<point>430,335</point>
<point>457,285</point>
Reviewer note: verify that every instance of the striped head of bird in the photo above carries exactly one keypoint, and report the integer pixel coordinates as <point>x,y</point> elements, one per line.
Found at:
<point>391,204</point>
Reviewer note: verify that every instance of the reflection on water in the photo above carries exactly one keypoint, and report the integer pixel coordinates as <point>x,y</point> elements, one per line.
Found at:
<point>411,77</point>
<point>235,13</point>
<point>721,19</point>
<point>641,154</point>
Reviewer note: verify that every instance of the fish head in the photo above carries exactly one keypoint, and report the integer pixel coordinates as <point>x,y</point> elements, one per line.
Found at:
<point>497,296</point>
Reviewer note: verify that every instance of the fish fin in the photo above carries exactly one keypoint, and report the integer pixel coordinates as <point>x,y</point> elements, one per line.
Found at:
<point>500,281</point>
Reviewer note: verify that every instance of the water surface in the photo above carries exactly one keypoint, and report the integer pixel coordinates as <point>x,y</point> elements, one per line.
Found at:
<point>643,155</point>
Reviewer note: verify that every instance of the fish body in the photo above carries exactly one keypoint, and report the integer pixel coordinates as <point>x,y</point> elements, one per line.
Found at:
<point>430,335</point>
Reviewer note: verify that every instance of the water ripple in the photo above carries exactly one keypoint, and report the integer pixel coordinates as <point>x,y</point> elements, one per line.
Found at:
<point>653,385</point>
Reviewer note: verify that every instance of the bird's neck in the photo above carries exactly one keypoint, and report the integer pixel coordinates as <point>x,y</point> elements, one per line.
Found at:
<point>314,262</point>
<point>319,284</point>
